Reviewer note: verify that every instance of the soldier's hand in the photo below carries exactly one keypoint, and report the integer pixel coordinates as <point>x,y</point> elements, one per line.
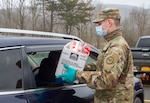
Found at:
<point>69,76</point>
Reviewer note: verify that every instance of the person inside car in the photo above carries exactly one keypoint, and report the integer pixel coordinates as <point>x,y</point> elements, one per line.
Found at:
<point>46,75</point>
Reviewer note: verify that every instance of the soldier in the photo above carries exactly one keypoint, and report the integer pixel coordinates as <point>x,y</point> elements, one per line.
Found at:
<point>111,75</point>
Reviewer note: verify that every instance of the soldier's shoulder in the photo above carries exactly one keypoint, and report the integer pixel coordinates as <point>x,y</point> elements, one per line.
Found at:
<point>119,42</point>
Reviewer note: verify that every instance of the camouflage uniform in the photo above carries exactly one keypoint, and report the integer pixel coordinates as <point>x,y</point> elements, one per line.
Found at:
<point>111,75</point>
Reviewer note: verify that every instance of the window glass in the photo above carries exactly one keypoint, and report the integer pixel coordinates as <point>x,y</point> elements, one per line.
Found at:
<point>144,42</point>
<point>10,69</point>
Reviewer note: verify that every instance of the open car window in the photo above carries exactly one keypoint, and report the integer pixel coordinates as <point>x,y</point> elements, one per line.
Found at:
<point>35,58</point>
<point>44,64</point>
<point>92,57</point>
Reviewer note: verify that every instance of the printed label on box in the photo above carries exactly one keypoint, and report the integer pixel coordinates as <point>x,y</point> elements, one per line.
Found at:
<point>72,57</point>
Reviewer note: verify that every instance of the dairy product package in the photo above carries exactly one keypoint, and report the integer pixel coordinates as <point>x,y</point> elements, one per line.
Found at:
<point>74,54</point>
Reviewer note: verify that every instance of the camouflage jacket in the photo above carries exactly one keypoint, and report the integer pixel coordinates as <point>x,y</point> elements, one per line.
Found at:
<point>112,74</point>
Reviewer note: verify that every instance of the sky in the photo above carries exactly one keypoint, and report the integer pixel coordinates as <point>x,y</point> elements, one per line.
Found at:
<point>138,3</point>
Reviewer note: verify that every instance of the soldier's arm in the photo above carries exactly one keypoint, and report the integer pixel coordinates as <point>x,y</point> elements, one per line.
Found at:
<point>90,67</point>
<point>114,63</point>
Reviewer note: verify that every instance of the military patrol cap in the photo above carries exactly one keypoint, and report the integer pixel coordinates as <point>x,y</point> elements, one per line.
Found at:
<point>107,13</point>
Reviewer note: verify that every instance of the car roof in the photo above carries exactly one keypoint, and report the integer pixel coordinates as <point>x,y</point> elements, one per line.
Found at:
<point>10,31</point>
<point>145,36</point>
<point>24,41</point>
<point>6,41</point>
<point>28,41</point>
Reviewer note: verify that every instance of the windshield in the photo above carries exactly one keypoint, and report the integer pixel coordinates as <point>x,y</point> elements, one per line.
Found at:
<point>144,42</point>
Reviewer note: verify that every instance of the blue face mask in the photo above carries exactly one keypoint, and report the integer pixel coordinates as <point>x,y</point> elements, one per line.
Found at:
<point>100,31</point>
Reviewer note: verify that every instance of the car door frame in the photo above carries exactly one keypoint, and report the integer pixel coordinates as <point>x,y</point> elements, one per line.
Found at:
<point>13,96</point>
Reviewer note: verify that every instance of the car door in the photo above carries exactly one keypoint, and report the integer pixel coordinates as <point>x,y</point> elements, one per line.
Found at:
<point>11,88</point>
<point>43,93</point>
<point>51,92</point>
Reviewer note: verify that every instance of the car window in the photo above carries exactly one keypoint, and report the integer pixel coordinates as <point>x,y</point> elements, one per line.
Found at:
<point>10,69</point>
<point>144,42</point>
<point>36,57</point>
<point>92,57</point>
<point>44,65</point>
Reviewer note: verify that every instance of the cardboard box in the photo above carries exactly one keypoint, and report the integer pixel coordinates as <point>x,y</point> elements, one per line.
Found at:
<point>74,54</point>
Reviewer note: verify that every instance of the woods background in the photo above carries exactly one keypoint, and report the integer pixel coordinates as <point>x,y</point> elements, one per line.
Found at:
<point>72,17</point>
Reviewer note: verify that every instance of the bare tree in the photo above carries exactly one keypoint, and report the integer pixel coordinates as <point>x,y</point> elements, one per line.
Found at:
<point>136,25</point>
<point>20,13</point>
<point>52,9</point>
<point>140,19</point>
<point>7,12</point>
<point>34,13</point>
<point>43,11</point>
<point>130,32</point>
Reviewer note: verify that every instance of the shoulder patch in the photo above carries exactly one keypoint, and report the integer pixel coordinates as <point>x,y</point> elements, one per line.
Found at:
<point>110,60</point>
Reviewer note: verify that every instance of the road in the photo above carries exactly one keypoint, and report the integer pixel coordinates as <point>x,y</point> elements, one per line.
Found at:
<point>146,93</point>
